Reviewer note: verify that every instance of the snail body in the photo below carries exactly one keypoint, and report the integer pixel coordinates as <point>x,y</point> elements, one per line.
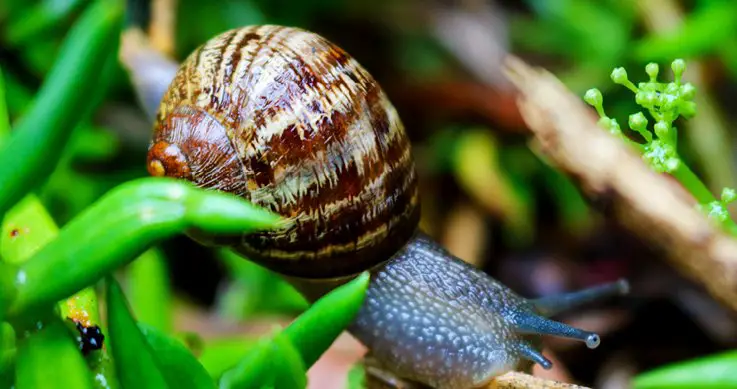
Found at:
<point>289,121</point>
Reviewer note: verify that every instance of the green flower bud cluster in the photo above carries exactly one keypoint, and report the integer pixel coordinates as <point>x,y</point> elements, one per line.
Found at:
<point>717,210</point>
<point>665,102</point>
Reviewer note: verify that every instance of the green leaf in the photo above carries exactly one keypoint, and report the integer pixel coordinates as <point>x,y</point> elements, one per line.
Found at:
<point>27,227</point>
<point>279,361</point>
<point>357,377</point>
<point>255,289</point>
<point>253,371</point>
<point>50,359</point>
<point>179,367</point>
<point>4,118</point>
<point>222,354</point>
<point>121,226</point>
<point>273,363</point>
<point>316,329</point>
<point>149,291</point>
<point>289,370</point>
<point>705,30</point>
<point>18,97</point>
<point>7,355</point>
<point>39,18</point>
<point>716,371</point>
<point>134,359</point>
<point>40,137</point>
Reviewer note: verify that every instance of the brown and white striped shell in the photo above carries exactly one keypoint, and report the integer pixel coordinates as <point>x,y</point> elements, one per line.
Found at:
<point>292,123</point>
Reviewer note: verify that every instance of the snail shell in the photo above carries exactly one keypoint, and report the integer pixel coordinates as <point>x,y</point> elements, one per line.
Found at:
<point>289,121</point>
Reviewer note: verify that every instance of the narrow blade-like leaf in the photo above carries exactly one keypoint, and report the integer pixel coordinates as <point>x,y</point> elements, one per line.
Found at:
<point>134,359</point>
<point>179,367</point>
<point>316,329</point>
<point>222,354</point>
<point>289,370</point>
<point>275,362</point>
<point>253,371</point>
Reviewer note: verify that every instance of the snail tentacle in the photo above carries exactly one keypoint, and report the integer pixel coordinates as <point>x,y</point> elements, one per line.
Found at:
<point>552,305</point>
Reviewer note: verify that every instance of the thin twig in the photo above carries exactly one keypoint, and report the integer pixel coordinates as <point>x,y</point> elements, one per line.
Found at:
<point>652,205</point>
<point>376,378</point>
<point>163,26</point>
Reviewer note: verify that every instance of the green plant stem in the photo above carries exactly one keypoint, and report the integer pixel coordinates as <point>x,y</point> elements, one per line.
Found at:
<point>693,184</point>
<point>698,189</point>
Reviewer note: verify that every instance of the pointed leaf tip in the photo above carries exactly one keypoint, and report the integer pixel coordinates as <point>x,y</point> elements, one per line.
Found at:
<point>315,330</point>
<point>135,362</point>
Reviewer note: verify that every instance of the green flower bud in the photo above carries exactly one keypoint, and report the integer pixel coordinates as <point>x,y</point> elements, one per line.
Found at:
<point>662,130</point>
<point>619,75</point>
<point>688,91</point>
<point>646,99</point>
<point>652,70</point>
<point>688,109</point>
<point>668,102</point>
<point>661,156</point>
<point>638,122</point>
<point>678,66</point>
<point>728,195</point>
<point>715,210</point>
<point>594,98</point>
<point>671,164</point>
<point>614,127</point>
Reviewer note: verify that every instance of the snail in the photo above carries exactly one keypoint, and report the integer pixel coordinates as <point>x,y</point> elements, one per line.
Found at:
<point>292,123</point>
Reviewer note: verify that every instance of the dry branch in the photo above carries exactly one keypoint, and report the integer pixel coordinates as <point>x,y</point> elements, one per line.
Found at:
<point>379,379</point>
<point>515,380</point>
<point>653,206</point>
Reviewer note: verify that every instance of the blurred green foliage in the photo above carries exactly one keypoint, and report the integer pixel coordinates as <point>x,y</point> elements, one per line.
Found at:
<point>716,371</point>
<point>61,81</point>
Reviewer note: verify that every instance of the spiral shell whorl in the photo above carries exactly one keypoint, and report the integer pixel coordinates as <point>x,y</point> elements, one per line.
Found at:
<point>307,133</point>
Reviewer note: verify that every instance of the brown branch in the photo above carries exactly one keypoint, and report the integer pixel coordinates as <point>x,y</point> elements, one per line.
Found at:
<point>516,380</point>
<point>651,205</point>
<point>377,378</point>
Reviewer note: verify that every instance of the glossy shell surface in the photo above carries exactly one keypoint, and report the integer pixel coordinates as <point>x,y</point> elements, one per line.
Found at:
<point>292,123</point>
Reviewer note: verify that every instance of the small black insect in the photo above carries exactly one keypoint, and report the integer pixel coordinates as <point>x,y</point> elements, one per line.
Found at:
<point>90,338</point>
